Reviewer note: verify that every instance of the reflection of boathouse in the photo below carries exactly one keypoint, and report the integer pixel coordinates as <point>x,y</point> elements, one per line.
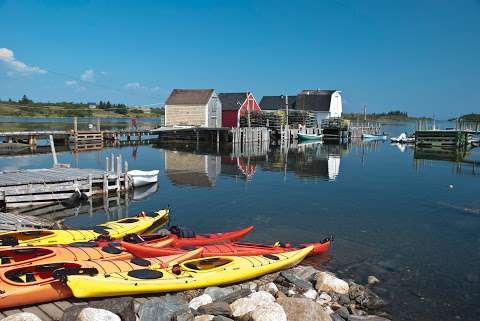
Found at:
<point>192,169</point>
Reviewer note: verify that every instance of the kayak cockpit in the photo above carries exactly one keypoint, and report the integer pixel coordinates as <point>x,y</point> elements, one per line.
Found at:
<point>207,264</point>
<point>8,257</point>
<point>15,238</point>
<point>35,274</point>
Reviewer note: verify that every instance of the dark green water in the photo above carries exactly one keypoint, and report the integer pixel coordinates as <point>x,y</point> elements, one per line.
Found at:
<point>393,213</point>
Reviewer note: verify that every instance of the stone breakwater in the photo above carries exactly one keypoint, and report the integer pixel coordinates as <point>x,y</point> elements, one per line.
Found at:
<point>298,294</point>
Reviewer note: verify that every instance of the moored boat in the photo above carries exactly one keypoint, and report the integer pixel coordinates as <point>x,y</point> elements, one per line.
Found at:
<point>303,136</point>
<point>141,178</point>
<point>403,139</point>
<point>374,136</point>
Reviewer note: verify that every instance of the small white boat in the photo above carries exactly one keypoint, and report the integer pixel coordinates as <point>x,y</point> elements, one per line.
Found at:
<point>302,136</point>
<point>140,178</point>
<point>403,139</point>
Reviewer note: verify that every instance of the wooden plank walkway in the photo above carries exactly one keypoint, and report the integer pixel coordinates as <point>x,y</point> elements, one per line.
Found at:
<point>15,222</point>
<point>53,311</point>
<point>40,176</point>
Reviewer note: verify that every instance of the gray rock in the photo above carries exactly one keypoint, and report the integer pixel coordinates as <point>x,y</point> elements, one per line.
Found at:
<point>343,299</point>
<point>336,317</point>
<point>303,309</point>
<point>123,307</point>
<point>216,308</point>
<point>216,292</point>
<point>301,284</point>
<point>235,295</point>
<point>365,297</point>
<point>343,312</point>
<point>163,309</point>
<point>23,316</point>
<point>221,318</point>
<point>367,318</point>
<point>305,272</point>
<point>183,316</point>
<point>72,312</point>
<point>92,314</point>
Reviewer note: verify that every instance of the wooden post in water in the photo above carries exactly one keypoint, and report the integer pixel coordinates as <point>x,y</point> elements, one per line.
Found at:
<point>119,171</point>
<point>54,154</point>
<point>112,160</point>
<point>105,185</point>
<point>98,124</point>
<point>126,182</point>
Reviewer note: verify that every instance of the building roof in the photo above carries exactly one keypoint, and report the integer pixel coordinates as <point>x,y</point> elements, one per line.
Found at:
<point>189,97</point>
<point>277,102</point>
<point>232,101</point>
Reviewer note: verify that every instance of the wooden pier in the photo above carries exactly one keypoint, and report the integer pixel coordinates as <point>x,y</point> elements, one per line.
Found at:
<point>38,187</point>
<point>15,222</point>
<point>443,138</point>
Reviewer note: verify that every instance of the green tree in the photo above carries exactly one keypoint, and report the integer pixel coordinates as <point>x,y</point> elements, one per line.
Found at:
<point>25,100</point>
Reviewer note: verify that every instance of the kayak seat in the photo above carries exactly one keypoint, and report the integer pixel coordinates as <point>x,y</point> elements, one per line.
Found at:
<point>145,274</point>
<point>111,249</point>
<point>4,260</point>
<point>128,220</point>
<point>271,257</point>
<point>62,273</point>
<point>29,277</point>
<point>8,241</point>
<point>49,267</point>
<point>32,233</point>
<point>133,238</point>
<point>140,261</point>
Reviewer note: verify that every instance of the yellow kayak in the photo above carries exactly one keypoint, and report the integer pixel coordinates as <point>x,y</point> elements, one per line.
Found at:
<point>113,229</point>
<point>191,274</point>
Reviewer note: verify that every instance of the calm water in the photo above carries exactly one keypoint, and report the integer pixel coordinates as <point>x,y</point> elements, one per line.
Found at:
<point>392,212</point>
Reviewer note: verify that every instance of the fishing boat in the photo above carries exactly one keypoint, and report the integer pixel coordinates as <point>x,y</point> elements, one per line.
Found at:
<point>141,178</point>
<point>303,136</point>
<point>374,136</point>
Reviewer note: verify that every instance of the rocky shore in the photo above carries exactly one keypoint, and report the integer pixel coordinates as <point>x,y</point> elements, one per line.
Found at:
<point>298,294</point>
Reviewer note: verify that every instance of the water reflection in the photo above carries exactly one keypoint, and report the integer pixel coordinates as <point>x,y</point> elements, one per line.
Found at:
<point>188,169</point>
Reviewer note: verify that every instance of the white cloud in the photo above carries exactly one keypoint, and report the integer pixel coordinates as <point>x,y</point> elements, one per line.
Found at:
<point>133,85</point>
<point>75,85</point>
<point>139,86</point>
<point>88,75</point>
<point>17,66</point>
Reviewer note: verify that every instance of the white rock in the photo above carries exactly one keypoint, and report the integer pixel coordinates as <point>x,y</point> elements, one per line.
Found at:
<point>197,302</point>
<point>311,294</point>
<point>23,316</point>
<point>270,288</point>
<point>330,283</point>
<point>205,317</point>
<point>372,280</point>
<point>269,312</point>
<point>324,298</point>
<point>245,305</point>
<point>91,314</point>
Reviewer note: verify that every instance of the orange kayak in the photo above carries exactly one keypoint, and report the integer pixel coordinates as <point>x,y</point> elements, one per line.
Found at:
<point>38,283</point>
<point>105,250</point>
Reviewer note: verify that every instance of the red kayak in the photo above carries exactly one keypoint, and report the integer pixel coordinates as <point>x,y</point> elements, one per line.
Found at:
<point>108,250</point>
<point>229,249</point>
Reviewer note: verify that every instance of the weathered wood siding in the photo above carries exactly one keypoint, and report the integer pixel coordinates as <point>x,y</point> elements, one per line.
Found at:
<point>214,111</point>
<point>184,115</point>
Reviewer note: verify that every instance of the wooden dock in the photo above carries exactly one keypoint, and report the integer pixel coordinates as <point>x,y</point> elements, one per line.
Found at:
<point>39,187</point>
<point>15,222</point>
<point>443,138</point>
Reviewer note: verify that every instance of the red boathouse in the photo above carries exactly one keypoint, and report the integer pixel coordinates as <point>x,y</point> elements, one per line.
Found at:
<point>235,105</point>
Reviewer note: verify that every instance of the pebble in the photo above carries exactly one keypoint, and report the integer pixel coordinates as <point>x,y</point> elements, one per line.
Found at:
<point>204,317</point>
<point>311,294</point>
<point>372,280</point>
<point>324,298</point>
<point>270,288</point>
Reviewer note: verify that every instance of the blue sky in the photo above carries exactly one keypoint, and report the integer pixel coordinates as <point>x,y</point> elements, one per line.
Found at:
<point>414,55</point>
